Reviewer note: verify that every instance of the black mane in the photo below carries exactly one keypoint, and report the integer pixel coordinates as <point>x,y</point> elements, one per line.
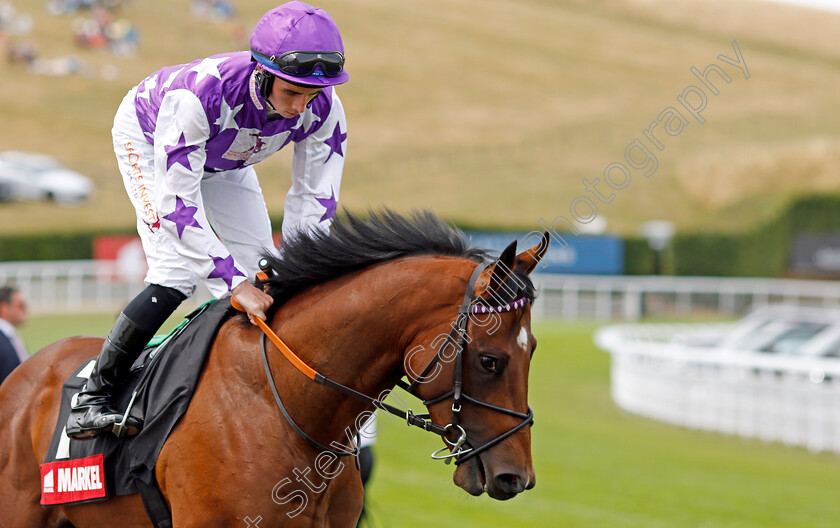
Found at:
<point>353,243</point>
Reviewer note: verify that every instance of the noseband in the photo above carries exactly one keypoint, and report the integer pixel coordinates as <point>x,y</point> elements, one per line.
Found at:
<point>460,450</point>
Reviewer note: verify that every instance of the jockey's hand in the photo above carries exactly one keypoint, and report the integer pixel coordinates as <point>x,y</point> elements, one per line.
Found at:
<point>254,301</point>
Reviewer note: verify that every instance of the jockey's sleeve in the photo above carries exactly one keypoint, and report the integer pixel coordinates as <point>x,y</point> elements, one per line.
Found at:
<point>317,165</point>
<point>180,136</point>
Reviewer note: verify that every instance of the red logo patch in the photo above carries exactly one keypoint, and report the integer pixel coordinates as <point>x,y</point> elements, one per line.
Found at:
<point>66,481</point>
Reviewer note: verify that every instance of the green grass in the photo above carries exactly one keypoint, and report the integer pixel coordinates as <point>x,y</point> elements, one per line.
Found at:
<point>600,467</point>
<point>41,330</point>
<point>596,465</point>
<point>491,112</point>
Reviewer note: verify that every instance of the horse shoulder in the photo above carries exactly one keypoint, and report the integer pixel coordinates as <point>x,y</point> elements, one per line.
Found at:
<point>233,437</point>
<point>32,393</point>
<point>222,442</point>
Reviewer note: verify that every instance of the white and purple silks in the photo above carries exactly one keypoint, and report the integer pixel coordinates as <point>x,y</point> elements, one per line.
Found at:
<point>186,139</point>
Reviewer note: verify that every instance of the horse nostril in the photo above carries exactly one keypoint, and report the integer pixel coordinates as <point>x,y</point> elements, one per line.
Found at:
<point>510,483</point>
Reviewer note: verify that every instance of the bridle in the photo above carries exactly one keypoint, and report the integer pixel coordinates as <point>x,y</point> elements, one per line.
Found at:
<point>457,337</point>
<point>460,450</point>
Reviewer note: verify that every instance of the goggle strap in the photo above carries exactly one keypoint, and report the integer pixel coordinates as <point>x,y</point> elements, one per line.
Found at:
<point>263,59</point>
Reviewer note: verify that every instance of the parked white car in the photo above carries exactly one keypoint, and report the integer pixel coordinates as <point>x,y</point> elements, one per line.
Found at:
<point>775,329</point>
<point>25,176</point>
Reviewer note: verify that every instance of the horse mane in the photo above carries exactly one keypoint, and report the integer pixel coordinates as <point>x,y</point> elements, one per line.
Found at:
<point>353,243</point>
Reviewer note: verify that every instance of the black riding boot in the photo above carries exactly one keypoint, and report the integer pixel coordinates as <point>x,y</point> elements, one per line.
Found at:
<point>93,414</point>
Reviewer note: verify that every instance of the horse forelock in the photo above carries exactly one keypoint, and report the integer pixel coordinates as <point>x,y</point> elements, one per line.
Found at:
<point>516,286</point>
<point>354,243</point>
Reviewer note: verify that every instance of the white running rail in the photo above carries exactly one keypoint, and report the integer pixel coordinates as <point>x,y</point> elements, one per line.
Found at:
<point>788,399</point>
<point>77,285</point>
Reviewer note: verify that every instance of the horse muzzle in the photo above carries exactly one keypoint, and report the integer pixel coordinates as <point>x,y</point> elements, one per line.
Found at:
<point>474,477</point>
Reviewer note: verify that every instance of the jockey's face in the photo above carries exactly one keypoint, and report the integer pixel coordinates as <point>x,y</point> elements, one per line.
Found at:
<point>289,99</point>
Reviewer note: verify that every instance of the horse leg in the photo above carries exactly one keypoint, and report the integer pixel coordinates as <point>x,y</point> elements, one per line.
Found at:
<point>20,476</point>
<point>20,482</point>
<point>126,510</point>
<point>346,501</point>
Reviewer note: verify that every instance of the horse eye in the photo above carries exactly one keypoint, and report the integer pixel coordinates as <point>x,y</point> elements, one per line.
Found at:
<point>489,363</point>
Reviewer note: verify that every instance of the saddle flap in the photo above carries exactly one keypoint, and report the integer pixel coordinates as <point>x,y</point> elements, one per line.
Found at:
<point>165,378</point>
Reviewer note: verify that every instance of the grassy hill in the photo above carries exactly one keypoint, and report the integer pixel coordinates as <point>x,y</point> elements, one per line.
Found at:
<point>492,112</point>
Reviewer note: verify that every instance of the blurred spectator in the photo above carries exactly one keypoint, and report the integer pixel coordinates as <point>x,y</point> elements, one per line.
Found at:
<point>101,31</point>
<point>7,16</point>
<point>66,7</point>
<point>215,10</point>
<point>58,67</point>
<point>13,23</point>
<point>12,314</point>
<point>21,52</point>
<point>122,37</point>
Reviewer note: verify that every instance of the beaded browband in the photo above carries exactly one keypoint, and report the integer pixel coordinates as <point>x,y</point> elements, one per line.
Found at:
<point>515,305</point>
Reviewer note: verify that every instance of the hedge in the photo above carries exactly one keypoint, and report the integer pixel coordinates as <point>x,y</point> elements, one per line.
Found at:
<point>62,246</point>
<point>56,246</point>
<point>759,252</point>
<point>639,258</point>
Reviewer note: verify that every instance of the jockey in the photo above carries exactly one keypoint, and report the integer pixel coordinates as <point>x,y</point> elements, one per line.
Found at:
<point>185,140</point>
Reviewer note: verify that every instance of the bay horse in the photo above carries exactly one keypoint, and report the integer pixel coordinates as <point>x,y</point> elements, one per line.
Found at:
<point>363,306</point>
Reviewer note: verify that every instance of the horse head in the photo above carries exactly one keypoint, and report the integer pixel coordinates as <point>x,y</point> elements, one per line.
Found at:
<point>485,359</point>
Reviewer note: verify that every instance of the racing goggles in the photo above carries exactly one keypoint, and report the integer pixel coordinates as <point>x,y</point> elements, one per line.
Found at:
<point>305,63</point>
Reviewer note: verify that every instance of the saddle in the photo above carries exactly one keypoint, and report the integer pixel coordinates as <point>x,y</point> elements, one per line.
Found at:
<point>162,382</point>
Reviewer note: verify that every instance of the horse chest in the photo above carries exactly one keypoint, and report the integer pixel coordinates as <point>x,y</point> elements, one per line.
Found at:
<point>257,473</point>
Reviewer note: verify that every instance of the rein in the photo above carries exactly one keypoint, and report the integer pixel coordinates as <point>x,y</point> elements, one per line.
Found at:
<point>412,419</point>
<point>423,421</point>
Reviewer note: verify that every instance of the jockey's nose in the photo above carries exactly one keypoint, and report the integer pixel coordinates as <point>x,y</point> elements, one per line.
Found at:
<point>299,104</point>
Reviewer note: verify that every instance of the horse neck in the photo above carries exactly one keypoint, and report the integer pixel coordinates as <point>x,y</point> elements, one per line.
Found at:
<point>355,330</point>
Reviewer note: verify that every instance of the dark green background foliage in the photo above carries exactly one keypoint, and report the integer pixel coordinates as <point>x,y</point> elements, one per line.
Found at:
<point>757,252</point>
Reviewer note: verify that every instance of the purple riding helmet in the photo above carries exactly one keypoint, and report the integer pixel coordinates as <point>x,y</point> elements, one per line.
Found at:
<point>300,44</point>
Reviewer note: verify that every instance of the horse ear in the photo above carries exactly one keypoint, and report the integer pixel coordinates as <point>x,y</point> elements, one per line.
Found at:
<point>503,267</point>
<point>528,259</point>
